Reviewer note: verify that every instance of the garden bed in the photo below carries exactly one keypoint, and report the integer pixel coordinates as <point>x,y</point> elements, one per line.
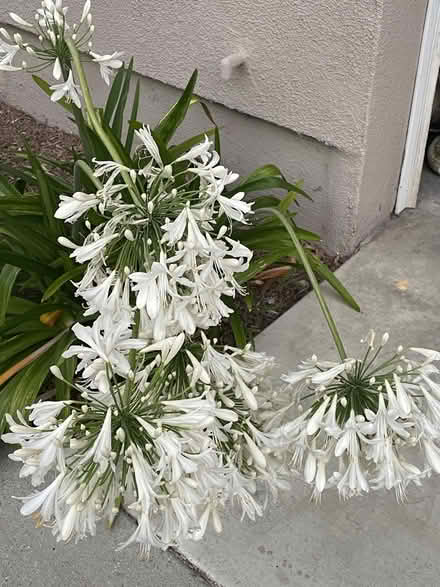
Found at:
<point>272,294</point>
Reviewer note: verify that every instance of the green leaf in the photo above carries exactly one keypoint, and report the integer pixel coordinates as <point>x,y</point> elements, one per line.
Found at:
<point>268,170</point>
<point>19,343</point>
<point>85,134</point>
<point>67,367</point>
<point>46,89</point>
<point>174,118</point>
<point>8,275</point>
<point>29,240</point>
<point>29,205</point>
<point>22,389</point>
<point>265,202</point>
<point>238,330</point>
<point>265,183</point>
<point>36,311</point>
<point>8,189</point>
<point>24,262</point>
<point>178,150</point>
<point>256,266</point>
<point>61,280</point>
<point>287,201</point>
<point>207,112</point>
<point>134,113</point>
<point>18,305</point>
<point>322,270</point>
<point>113,96</point>
<point>48,199</point>
<point>118,119</point>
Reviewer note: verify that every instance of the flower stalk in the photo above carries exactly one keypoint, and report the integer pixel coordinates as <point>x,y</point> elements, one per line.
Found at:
<point>96,123</point>
<point>312,278</point>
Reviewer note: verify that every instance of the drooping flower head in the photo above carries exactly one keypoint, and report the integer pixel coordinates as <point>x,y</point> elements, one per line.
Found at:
<point>359,418</point>
<point>52,28</point>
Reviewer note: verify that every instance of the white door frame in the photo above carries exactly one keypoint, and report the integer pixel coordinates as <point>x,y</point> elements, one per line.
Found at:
<point>421,109</point>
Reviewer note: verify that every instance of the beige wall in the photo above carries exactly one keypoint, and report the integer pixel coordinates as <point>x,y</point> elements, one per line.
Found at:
<point>324,81</point>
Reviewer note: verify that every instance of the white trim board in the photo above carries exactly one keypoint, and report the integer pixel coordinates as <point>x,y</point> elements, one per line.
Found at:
<point>421,109</point>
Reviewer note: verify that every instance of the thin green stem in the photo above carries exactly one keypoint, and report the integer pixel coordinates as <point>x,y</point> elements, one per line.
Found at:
<point>96,123</point>
<point>80,164</point>
<point>314,282</point>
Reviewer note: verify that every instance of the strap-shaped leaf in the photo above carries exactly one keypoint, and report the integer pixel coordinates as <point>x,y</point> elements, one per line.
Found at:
<point>47,197</point>
<point>63,389</point>
<point>258,265</point>
<point>207,112</point>
<point>133,116</point>
<point>118,119</point>
<point>181,148</point>
<point>323,271</point>
<point>174,118</point>
<point>29,205</point>
<point>18,305</point>
<point>239,330</point>
<point>21,342</point>
<point>22,389</point>
<point>31,241</point>
<point>26,263</point>
<point>267,177</point>
<point>34,313</point>
<point>75,273</point>
<point>113,96</point>
<point>8,189</point>
<point>8,275</point>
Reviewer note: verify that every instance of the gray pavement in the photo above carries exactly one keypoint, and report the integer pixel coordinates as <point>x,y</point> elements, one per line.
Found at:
<point>32,557</point>
<point>369,541</point>
<point>366,542</point>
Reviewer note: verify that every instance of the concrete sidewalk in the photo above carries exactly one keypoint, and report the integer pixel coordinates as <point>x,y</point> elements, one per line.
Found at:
<point>368,541</point>
<point>32,557</point>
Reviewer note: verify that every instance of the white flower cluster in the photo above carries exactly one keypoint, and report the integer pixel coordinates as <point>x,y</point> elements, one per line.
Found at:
<point>360,421</point>
<point>164,419</point>
<point>52,29</point>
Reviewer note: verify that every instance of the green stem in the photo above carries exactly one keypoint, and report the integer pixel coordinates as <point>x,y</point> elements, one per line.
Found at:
<point>96,123</point>
<point>314,282</point>
<point>82,165</point>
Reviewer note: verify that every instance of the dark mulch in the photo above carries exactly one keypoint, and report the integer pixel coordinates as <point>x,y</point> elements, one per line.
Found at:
<point>271,297</point>
<point>16,127</point>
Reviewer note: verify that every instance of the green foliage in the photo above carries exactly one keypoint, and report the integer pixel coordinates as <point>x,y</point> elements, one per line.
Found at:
<point>37,301</point>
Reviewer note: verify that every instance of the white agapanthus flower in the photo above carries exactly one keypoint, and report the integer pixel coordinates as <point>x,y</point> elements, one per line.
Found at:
<point>176,461</point>
<point>52,28</point>
<point>68,90</point>
<point>360,420</point>
<point>7,54</point>
<point>107,63</point>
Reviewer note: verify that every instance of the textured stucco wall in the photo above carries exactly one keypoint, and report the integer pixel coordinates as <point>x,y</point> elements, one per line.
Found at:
<point>311,82</point>
<point>398,52</point>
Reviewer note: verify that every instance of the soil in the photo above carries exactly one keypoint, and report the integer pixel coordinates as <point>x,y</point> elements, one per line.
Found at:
<point>272,295</point>
<point>16,127</point>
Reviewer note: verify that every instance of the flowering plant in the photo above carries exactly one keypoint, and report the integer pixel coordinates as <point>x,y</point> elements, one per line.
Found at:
<point>39,302</point>
<point>162,417</point>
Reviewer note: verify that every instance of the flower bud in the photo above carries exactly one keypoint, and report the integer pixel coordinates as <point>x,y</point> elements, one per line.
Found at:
<point>370,338</point>
<point>5,33</point>
<point>56,372</point>
<point>385,338</point>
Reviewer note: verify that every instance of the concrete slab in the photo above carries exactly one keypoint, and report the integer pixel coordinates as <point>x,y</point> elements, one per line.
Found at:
<point>32,557</point>
<point>369,541</point>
